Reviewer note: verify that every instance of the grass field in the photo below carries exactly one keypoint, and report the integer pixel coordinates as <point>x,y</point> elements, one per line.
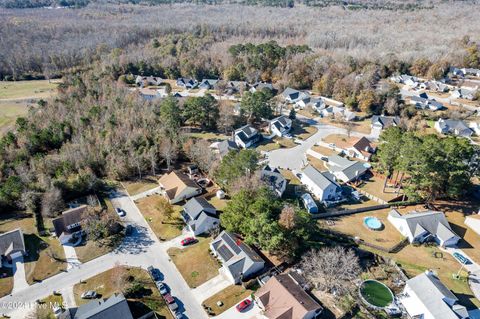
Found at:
<point>195,263</point>
<point>115,279</point>
<point>9,111</point>
<point>229,296</point>
<point>140,186</point>
<point>35,89</point>
<point>164,228</point>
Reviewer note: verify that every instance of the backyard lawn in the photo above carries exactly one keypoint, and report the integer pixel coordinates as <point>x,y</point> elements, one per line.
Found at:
<point>195,263</point>
<point>229,296</point>
<point>165,228</point>
<point>374,186</point>
<point>140,186</point>
<point>218,203</point>
<point>115,279</point>
<point>6,281</point>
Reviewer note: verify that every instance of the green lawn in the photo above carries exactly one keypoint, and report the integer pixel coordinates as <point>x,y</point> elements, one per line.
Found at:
<point>229,296</point>
<point>35,89</point>
<point>118,279</point>
<point>195,263</point>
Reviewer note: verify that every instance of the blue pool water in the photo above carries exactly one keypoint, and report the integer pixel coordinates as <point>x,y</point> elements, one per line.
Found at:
<point>373,223</point>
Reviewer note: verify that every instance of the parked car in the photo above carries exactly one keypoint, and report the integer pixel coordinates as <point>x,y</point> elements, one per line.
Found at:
<point>173,306</point>
<point>188,241</point>
<point>243,305</point>
<point>168,298</point>
<point>120,212</point>
<point>179,315</point>
<point>90,294</point>
<point>154,273</point>
<point>162,288</point>
<point>461,258</point>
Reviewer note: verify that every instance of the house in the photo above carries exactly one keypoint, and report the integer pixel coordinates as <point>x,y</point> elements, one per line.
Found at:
<point>473,222</point>
<point>425,103</point>
<point>258,86</point>
<point>12,245</point>
<point>68,226</point>
<point>114,307</point>
<point>455,127</point>
<point>148,80</point>
<point>463,94</point>
<point>316,103</point>
<point>309,203</point>
<point>223,147</point>
<point>355,147</point>
<point>346,170</point>
<point>177,187</point>
<point>283,297</point>
<point>405,79</point>
<point>471,71</point>
<point>200,216</point>
<point>274,180</point>
<point>437,86</point>
<point>280,126</point>
<point>426,297</point>
<point>208,84</point>
<point>247,136</point>
<point>420,227</point>
<point>187,83</point>
<point>233,87</point>
<point>292,96</point>
<point>321,184</point>
<point>336,111</point>
<point>239,261</point>
<point>381,122</point>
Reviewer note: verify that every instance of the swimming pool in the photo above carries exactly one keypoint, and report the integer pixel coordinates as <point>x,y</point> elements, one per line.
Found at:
<point>373,223</point>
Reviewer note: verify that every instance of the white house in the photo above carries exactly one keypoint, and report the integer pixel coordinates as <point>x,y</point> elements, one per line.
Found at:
<point>420,227</point>
<point>148,80</point>
<point>336,111</point>
<point>383,122</point>
<point>292,96</point>
<point>247,136</point>
<point>463,94</point>
<point>346,170</point>
<point>280,126</point>
<point>321,184</point>
<point>12,245</point>
<point>455,127</point>
<point>426,297</point>
<point>200,216</point>
<point>239,261</point>
<point>177,187</point>
<point>473,222</point>
<point>354,147</point>
<point>187,83</point>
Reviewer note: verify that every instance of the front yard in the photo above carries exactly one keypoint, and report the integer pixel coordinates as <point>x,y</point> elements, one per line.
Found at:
<point>229,297</point>
<point>6,281</point>
<point>116,280</point>
<point>163,227</point>
<point>195,263</point>
<point>45,307</point>
<point>90,249</point>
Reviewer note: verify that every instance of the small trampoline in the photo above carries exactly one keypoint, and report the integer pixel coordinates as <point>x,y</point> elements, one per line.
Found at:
<point>373,223</point>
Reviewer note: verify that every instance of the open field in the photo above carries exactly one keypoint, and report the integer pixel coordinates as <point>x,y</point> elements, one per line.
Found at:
<point>140,186</point>
<point>115,279</point>
<point>35,89</point>
<point>165,228</point>
<point>9,111</point>
<point>358,126</point>
<point>229,296</point>
<point>195,263</point>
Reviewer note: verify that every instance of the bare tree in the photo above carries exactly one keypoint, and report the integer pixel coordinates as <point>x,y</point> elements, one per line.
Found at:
<point>331,269</point>
<point>52,202</point>
<point>169,151</point>
<point>288,217</point>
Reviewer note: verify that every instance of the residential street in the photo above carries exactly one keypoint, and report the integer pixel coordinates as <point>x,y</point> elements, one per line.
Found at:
<point>141,249</point>
<point>295,158</point>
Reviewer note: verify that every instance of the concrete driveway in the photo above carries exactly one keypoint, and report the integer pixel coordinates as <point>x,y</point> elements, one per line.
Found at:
<point>253,312</point>
<point>71,256</point>
<point>19,279</point>
<point>210,288</point>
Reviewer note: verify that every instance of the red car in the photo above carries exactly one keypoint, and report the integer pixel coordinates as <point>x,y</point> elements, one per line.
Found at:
<point>168,298</point>
<point>188,241</point>
<point>243,305</point>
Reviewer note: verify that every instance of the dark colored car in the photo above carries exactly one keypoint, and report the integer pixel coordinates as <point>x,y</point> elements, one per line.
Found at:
<point>154,273</point>
<point>243,305</point>
<point>188,241</point>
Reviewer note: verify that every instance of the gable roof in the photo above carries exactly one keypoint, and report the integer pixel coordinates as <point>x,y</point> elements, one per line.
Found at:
<point>223,147</point>
<point>273,178</point>
<point>385,121</point>
<point>282,121</point>
<point>284,298</point>
<point>454,125</point>
<point>11,241</point>
<point>114,307</point>
<point>246,133</point>
<point>433,222</point>
<point>321,179</point>
<point>431,292</point>
<point>196,205</point>
<point>68,217</point>
<point>174,183</point>
<point>351,169</point>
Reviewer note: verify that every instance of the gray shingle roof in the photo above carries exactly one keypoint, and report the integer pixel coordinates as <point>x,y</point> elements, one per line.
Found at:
<point>196,205</point>
<point>321,179</point>
<point>115,307</point>
<point>12,241</point>
<point>386,121</point>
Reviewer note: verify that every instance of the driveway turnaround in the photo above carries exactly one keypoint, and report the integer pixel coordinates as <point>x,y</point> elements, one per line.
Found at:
<point>141,249</point>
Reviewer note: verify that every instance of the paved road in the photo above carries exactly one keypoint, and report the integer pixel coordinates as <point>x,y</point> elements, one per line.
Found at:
<point>141,249</point>
<point>295,158</point>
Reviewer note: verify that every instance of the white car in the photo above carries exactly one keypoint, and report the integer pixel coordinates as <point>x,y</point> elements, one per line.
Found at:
<point>120,212</point>
<point>90,294</point>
